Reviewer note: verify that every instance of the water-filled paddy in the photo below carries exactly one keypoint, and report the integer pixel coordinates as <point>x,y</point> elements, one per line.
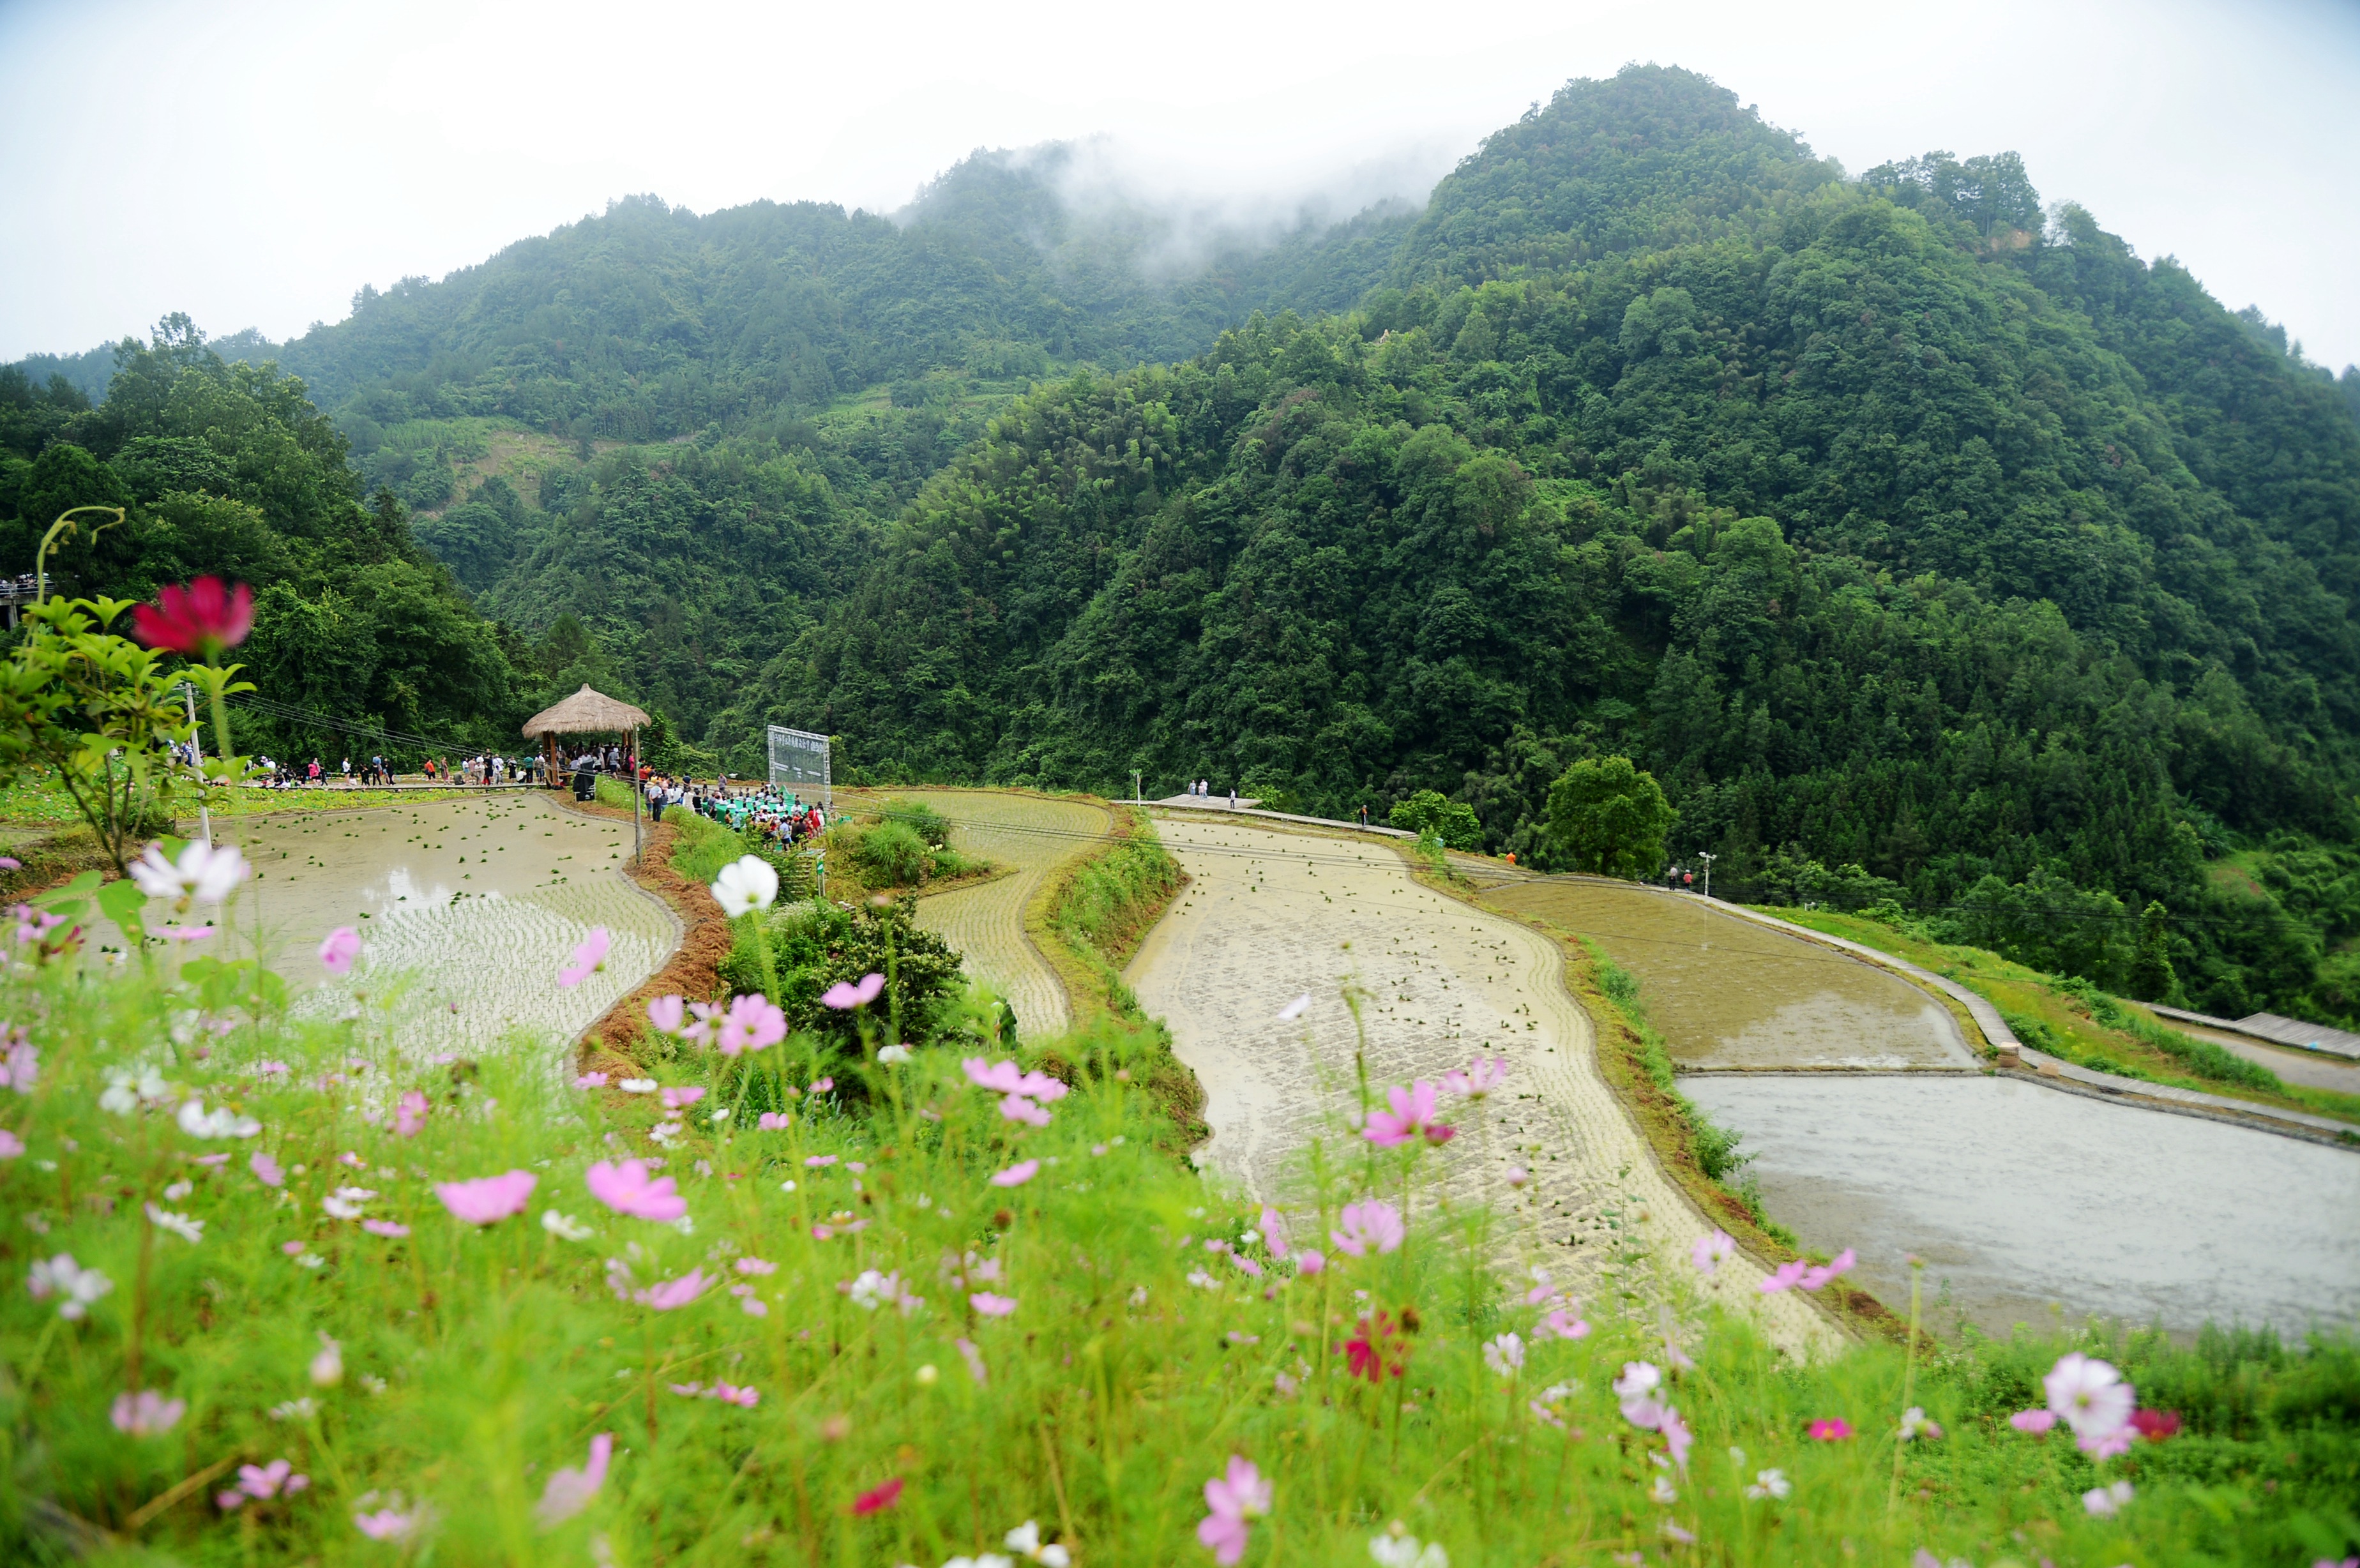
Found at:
<point>1726,993</point>
<point>2020,1197</point>
<point>466,909</point>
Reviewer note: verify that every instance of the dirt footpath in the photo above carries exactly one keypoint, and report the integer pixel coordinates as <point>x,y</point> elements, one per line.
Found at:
<point>986,922</point>
<point>1270,916</point>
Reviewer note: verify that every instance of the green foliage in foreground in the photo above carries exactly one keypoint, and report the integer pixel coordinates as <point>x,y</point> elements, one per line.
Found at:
<point>472,1363</point>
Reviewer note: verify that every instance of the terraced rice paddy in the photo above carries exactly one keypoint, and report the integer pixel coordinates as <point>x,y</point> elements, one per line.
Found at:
<point>1728,994</point>
<point>467,910</point>
<point>1269,916</point>
<point>1032,835</point>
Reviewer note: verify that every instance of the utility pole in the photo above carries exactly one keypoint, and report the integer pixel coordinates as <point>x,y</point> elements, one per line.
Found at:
<point>1134,787</point>
<point>196,743</point>
<point>1708,872</point>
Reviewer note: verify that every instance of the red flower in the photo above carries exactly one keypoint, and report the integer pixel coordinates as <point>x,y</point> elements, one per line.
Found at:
<point>878,1501</point>
<point>201,619</point>
<point>2155,1425</point>
<point>1375,1352</point>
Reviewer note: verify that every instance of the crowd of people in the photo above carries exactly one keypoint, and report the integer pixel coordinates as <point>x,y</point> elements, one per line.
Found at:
<point>766,810</point>
<point>374,771</point>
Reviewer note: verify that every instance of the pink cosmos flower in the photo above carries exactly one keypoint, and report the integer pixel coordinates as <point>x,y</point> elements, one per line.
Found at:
<point>2110,1444</point>
<point>1710,1250</point>
<point>1017,1108</point>
<point>751,1265</point>
<point>991,1306</point>
<point>409,1113</point>
<point>999,1077</point>
<point>1786,1276</point>
<point>1819,1279</point>
<point>1372,1223</point>
<point>668,1295</point>
<point>2088,1395</point>
<point>569,1490</point>
<point>627,1190</point>
<point>591,1081</point>
<point>2105,1502</point>
<point>264,1482</point>
<point>488,1199</point>
<point>706,1022</point>
<point>2155,1425</point>
<point>21,1068</point>
<point>390,1229</point>
<point>822,1085</point>
<point>845,995</point>
<point>666,1014</point>
<point>774,1121</point>
<point>1564,1324</point>
<point>1237,1494</point>
<point>877,1499</point>
<point>1310,1261</point>
<point>1676,1435</point>
<point>11,1146</point>
<point>1636,1390</point>
<point>1273,1231</point>
<point>1517,1176</point>
<point>681,1099</point>
<point>1016,1175</point>
<point>387,1524</point>
<point>204,618</point>
<point>2035,1422</point>
<point>1482,1075</point>
<point>974,1358</point>
<point>146,1413</point>
<point>752,1024</point>
<point>1831,1429</point>
<point>818,1161</point>
<point>338,949</point>
<point>1411,1116</point>
<point>588,959</point>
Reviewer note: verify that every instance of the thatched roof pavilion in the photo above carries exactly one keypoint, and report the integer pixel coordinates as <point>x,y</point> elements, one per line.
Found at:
<point>587,713</point>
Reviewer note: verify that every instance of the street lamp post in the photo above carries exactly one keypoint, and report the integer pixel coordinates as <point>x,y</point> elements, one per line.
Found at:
<point>1708,872</point>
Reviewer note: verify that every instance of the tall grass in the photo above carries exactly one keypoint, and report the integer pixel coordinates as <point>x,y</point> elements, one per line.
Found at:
<point>1155,1333</point>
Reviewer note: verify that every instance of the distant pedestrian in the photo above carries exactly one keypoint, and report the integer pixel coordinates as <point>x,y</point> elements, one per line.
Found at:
<point>1233,797</point>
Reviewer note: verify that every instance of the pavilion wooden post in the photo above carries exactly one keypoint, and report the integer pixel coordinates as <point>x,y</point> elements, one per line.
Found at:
<point>633,763</point>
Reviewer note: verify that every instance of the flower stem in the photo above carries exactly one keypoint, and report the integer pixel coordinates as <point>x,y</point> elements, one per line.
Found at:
<point>1908,1380</point>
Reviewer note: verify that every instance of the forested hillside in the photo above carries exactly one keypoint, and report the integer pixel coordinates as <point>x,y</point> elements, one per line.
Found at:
<point>1899,526</point>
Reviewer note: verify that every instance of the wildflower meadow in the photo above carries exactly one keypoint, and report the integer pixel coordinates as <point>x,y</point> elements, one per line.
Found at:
<point>291,1287</point>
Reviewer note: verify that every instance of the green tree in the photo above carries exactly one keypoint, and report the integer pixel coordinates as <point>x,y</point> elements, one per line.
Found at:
<point>1610,818</point>
<point>2152,979</point>
<point>1429,814</point>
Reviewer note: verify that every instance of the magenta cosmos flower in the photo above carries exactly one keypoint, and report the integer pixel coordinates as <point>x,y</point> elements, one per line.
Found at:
<point>338,949</point>
<point>588,959</point>
<point>627,1189</point>
<point>1831,1429</point>
<point>1016,1175</point>
<point>844,995</point>
<point>1372,1225</point>
<point>487,1200</point>
<point>1231,1499</point>
<point>200,620</point>
<point>1411,1116</point>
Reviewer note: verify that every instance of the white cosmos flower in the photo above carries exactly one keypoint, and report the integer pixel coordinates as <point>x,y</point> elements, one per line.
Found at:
<point>345,1203</point>
<point>892,1055</point>
<point>565,1227</point>
<point>747,883</point>
<point>203,872</point>
<point>1397,1549</point>
<point>636,1086</point>
<point>1026,1538</point>
<point>1772,1482</point>
<point>1504,1355</point>
<point>61,1276</point>
<point>125,1092</point>
<point>222,1122</point>
<point>181,1225</point>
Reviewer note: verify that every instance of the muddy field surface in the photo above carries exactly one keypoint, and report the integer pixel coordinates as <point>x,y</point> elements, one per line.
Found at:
<point>1031,835</point>
<point>1270,916</point>
<point>467,910</point>
<point>2025,1202</point>
<point>1728,994</point>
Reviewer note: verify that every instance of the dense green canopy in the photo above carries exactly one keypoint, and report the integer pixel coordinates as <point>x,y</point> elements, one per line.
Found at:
<point>1891,524</point>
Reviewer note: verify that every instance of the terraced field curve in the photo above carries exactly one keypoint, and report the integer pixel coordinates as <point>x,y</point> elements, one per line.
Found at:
<point>1032,835</point>
<point>1270,915</point>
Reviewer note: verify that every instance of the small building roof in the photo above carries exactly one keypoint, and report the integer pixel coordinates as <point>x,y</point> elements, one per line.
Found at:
<point>585,713</point>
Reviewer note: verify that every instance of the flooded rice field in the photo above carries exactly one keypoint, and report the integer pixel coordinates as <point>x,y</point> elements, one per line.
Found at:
<point>466,910</point>
<point>1726,993</point>
<point>1032,835</point>
<point>2023,1200</point>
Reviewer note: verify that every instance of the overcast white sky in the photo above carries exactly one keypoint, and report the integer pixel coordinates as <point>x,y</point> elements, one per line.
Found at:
<point>252,162</point>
